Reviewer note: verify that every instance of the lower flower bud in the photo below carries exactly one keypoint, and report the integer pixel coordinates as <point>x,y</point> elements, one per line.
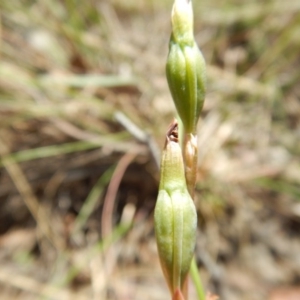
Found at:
<point>175,216</point>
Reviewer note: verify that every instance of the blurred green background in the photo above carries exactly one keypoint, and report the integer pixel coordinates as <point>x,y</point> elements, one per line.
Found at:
<point>84,108</point>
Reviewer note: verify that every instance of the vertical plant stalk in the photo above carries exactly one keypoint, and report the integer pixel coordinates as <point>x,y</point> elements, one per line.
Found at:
<point>197,280</point>
<point>175,214</point>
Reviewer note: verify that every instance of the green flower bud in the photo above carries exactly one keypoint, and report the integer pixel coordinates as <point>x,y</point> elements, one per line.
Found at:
<point>186,72</point>
<point>175,216</point>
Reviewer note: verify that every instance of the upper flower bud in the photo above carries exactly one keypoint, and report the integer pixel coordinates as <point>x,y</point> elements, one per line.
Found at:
<point>186,72</point>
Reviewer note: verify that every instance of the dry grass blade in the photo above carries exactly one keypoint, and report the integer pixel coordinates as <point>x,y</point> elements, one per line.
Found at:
<point>34,288</point>
<point>32,203</point>
<point>92,200</point>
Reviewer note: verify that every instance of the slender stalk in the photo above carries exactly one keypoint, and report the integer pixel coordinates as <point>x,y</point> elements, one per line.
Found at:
<point>197,280</point>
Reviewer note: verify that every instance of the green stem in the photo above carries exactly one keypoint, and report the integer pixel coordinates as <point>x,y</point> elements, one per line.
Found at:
<point>197,280</point>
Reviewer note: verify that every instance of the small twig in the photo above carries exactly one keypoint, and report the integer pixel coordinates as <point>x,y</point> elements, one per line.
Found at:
<point>107,229</point>
<point>109,200</point>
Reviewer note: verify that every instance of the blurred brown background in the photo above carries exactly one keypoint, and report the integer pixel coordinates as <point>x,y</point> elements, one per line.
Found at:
<point>84,107</point>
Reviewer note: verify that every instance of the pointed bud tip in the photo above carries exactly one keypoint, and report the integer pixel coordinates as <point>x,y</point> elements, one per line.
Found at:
<point>182,21</point>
